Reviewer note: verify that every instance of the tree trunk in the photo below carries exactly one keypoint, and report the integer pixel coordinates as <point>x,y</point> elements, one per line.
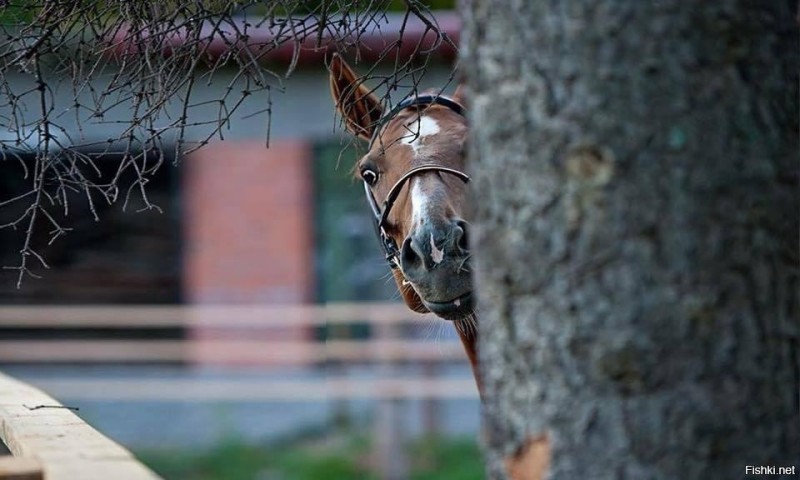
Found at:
<point>636,223</point>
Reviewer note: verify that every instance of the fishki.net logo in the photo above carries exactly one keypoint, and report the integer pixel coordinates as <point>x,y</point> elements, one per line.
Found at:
<point>769,470</point>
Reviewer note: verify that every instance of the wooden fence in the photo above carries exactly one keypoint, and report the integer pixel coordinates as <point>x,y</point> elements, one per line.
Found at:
<point>264,336</point>
<point>223,334</point>
<point>53,439</point>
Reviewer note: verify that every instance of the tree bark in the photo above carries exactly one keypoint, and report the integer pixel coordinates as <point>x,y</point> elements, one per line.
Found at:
<point>636,229</point>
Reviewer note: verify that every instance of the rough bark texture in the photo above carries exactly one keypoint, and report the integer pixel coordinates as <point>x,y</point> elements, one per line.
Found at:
<point>636,223</point>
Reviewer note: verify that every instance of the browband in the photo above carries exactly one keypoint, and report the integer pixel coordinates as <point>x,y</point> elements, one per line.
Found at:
<point>413,101</point>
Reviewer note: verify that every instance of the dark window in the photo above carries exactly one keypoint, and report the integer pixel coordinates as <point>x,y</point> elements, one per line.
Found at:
<point>130,256</point>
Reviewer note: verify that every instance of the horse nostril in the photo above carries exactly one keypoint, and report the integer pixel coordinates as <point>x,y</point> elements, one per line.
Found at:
<point>462,241</point>
<point>408,256</point>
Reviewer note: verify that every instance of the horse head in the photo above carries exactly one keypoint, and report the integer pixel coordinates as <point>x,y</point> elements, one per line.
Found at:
<point>414,168</point>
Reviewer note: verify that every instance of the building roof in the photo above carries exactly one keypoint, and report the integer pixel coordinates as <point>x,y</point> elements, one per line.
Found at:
<point>302,41</point>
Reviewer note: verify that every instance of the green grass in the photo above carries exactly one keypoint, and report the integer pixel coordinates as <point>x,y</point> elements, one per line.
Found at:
<point>438,458</point>
<point>328,457</point>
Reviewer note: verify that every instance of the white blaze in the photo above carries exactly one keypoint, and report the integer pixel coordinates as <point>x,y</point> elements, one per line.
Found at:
<point>417,130</point>
<point>419,202</point>
<point>419,208</point>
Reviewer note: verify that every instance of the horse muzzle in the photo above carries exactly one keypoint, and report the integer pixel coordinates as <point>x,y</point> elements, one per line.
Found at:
<point>435,260</point>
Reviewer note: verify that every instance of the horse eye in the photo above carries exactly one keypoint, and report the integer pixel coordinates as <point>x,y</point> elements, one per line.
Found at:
<point>369,176</point>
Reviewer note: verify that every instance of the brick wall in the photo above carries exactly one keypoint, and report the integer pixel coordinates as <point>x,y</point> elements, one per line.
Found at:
<point>248,233</point>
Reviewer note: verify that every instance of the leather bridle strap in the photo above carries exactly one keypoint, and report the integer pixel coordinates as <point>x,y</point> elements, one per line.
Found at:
<point>414,101</point>
<point>391,197</point>
<point>381,217</point>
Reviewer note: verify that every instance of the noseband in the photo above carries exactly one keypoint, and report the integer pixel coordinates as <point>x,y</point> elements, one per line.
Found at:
<point>382,214</point>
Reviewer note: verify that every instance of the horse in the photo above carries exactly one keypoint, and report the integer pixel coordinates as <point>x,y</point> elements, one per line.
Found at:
<point>415,162</point>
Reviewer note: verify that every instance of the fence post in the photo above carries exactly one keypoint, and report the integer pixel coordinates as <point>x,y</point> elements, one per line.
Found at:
<point>389,433</point>
<point>430,404</point>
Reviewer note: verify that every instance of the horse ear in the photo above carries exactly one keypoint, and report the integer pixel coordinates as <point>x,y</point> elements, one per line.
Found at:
<point>355,102</point>
<point>460,94</point>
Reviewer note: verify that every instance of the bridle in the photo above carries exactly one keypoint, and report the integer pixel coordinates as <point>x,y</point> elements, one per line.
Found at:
<point>382,215</point>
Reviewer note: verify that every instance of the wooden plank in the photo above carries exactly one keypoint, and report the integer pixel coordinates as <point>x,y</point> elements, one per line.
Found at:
<point>259,390</point>
<point>92,351</point>
<point>232,352</point>
<point>229,316</point>
<point>226,351</point>
<point>20,468</point>
<point>33,424</point>
<point>105,316</point>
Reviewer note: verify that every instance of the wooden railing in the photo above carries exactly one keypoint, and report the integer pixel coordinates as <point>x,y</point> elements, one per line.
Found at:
<point>222,334</point>
<point>47,437</point>
<point>50,442</point>
<point>274,336</point>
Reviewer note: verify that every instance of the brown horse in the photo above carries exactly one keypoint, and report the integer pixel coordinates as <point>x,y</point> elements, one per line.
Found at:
<point>415,164</point>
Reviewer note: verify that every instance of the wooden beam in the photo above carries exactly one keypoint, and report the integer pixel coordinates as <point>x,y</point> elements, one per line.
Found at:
<point>226,316</point>
<point>30,351</point>
<point>256,390</point>
<point>34,425</point>
<point>227,351</point>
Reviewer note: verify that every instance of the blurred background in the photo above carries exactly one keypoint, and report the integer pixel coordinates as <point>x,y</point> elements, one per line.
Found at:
<point>247,327</point>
